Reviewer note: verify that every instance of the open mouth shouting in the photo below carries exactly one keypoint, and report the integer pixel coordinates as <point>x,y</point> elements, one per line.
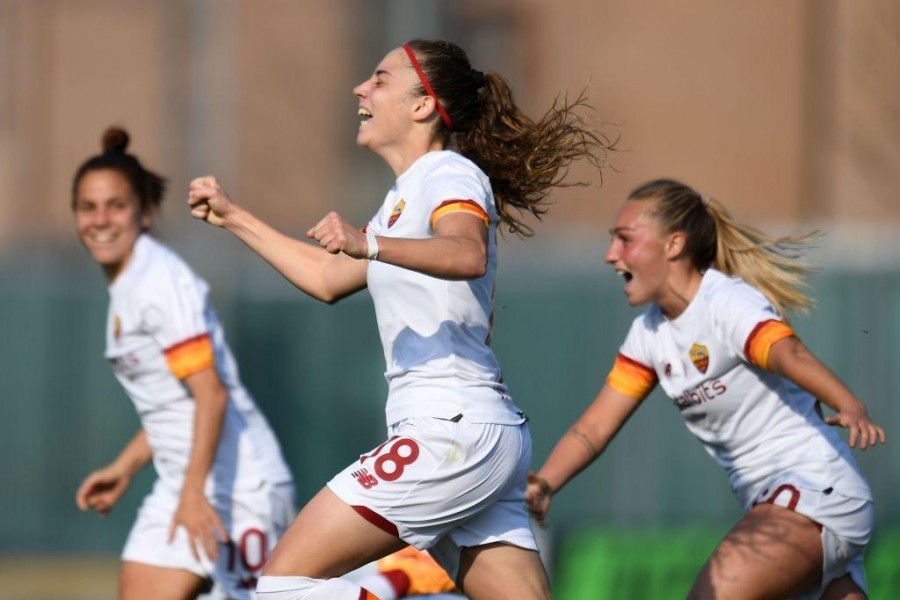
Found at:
<point>364,116</point>
<point>628,277</point>
<point>625,274</point>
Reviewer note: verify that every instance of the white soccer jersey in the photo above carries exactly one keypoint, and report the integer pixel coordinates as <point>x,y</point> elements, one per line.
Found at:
<point>711,361</point>
<point>160,329</point>
<point>436,333</point>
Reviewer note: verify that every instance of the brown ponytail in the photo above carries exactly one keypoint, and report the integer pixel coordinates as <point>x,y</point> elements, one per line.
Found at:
<point>524,159</point>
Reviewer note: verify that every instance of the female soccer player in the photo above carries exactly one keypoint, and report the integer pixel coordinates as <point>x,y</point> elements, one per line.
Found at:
<point>451,475</point>
<point>224,492</point>
<point>716,339</point>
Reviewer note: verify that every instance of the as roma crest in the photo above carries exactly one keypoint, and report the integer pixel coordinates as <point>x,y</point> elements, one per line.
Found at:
<point>117,327</point>
<point>700,357</point>
<point>395,214</point>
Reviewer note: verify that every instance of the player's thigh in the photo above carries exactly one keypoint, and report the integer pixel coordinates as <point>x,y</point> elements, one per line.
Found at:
<point>501,572</point>
<point>504,522</point>
<point>329,539</point>
<point>139,581</point>
<point>771,552</point>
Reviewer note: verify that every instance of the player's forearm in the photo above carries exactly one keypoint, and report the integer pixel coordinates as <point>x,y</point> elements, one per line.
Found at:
<point>451,257</point>
<point>135,455</point>
<point>569,457</point>
<point>208,419</point>
<point>579,447</point>
<point>306,266</point>
<point>791,359</point>
<point>588,437</point>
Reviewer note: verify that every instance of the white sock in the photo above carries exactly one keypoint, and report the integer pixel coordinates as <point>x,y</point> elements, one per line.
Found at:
<point>303,588</point>
<point>381,586</point>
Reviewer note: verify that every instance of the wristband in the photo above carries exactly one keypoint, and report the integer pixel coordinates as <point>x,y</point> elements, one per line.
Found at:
<point>372,244</point>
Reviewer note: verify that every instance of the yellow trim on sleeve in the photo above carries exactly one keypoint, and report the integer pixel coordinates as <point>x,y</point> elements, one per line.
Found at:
<point>761,340</point>
<point>468,206</point>
<point>631,378</point>
<point>190,356</point>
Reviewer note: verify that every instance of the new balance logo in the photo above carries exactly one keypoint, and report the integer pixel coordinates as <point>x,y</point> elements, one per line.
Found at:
<point>364,478</point>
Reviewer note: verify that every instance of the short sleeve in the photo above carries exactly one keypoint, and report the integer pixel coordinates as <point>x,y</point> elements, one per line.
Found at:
<point>632,373</point>
<point>374,224</point>
<point>173,313</point>
<point>748,324</point>
<point>456,187</point>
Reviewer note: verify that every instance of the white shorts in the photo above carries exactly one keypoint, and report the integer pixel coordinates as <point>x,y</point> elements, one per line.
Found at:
<point>443,485</point>
<point>846,525</point>
<point>254,521</point>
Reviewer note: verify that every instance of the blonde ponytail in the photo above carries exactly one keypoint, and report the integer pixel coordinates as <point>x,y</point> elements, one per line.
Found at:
<point>770,264</point>
<point>713,239</point>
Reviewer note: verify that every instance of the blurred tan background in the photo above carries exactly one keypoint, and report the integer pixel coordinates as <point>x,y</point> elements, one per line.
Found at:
<point>785,110</point>
<point>788,111</point>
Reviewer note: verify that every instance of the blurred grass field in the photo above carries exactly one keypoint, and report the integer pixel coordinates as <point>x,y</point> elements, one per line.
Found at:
<point>592,564</point>
<point>58,577</point>
<point>661,564</point>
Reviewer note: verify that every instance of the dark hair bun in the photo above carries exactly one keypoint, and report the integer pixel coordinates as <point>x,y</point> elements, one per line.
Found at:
<point>115,140</point>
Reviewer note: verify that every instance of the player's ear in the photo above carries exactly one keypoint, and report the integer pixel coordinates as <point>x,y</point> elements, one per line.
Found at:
<point>146,219</point>
<point>675,244</point>
<point>423,107</point>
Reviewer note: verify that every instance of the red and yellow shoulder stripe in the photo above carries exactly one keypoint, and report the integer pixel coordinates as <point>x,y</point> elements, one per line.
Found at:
<point>190,356</point>
<point>761,339</point>
<point>469,206</point>
<point>631,377</point>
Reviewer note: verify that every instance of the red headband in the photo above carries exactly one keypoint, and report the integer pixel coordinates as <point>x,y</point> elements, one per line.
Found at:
<point>415,63</point>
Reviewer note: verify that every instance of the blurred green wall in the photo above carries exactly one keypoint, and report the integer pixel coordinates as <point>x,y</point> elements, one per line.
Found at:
<point>316,371</point>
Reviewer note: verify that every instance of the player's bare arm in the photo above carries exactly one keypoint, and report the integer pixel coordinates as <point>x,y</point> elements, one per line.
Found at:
<point>457,252</point>
<point>194,512</point>
<point>790,358</point>
<point>579,446</point>
<point>326,277</point>
<point>102,489</point>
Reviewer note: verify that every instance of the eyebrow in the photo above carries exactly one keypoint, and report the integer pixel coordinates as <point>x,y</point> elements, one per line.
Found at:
<point>616,230</point>
<point>379,72</point>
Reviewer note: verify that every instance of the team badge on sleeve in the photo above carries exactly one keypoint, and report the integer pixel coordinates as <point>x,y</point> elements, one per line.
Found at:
<point>700,357</point>
<point>117,327</point>
<point>395,214</point>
